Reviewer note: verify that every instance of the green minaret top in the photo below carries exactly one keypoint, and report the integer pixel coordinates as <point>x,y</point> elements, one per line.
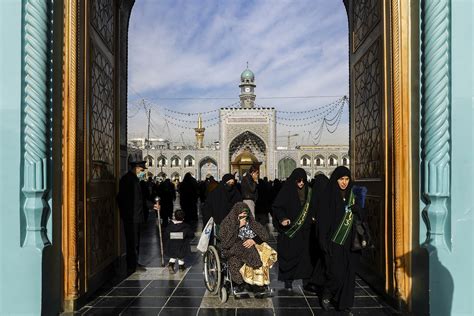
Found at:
<point>247,74</point>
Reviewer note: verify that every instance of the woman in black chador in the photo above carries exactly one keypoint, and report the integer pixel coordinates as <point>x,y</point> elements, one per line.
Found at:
<point>336,240</point>
<point>293,216</point>
<point>188,198</point>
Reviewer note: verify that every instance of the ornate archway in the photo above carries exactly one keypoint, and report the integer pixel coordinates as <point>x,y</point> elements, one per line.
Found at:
<point>249,147</point>
<point>242,163</point>
<point>208,166</point>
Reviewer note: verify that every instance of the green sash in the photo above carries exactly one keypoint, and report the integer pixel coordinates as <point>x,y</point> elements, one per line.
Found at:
<point>344,228</point>
<point>301,218</point>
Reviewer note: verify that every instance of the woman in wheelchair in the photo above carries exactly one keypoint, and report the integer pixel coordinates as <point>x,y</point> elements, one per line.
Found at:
<point>243,244</point>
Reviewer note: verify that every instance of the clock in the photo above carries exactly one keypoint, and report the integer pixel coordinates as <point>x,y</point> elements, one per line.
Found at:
<point>247,89</point>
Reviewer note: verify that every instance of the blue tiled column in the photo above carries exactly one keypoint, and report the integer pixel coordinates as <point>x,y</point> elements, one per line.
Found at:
<point>447,152</point>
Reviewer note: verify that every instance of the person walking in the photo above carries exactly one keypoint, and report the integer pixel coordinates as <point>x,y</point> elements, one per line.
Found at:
<point>132,207</point>
<point>293,215</point>
<point>167,194</point>
<point>188,199</point>
<point>336,239</point>
<point>249,188</point>
<point>318,277</point>
<point>220,201</point>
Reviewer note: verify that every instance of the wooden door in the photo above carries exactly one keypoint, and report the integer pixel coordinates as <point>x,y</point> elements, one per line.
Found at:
<point>101,163</point>
<point>370,125</point>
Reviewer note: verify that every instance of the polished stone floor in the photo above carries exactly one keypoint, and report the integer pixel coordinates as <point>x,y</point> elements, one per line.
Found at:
<point>156,292</point>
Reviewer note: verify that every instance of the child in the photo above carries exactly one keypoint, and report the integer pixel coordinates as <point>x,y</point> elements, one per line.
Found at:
<point>178,235</point>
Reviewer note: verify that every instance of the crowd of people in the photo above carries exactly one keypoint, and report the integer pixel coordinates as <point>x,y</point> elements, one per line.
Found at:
<point>313,221</point>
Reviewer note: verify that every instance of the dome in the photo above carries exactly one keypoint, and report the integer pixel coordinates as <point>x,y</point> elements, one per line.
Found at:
<point>247,74</point>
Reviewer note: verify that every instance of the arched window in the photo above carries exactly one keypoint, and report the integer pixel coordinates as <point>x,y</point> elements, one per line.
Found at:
<point>189,161</point>
<point>149,161</point>
<point>175,161</point>
<point>332,161</point>
<point>162,161</point>
<point>319,161</point>
<point>305,161</point>
<point>345,161</point>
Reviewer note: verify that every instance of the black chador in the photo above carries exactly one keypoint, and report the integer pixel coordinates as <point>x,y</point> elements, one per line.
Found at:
<point>340,260</point>
<point>319,189</point>
<point>293,203</point>
<point>221,200</point>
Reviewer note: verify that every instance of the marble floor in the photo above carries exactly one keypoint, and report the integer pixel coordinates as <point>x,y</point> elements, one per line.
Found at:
<point>157,292</point>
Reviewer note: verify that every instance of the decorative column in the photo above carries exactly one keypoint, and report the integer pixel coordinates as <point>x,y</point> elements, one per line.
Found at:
<point>436,103</point>
<point>36,123</point>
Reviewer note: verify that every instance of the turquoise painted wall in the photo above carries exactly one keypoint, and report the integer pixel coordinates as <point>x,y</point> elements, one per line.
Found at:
<point>459,259</point>
<point>20,268</point>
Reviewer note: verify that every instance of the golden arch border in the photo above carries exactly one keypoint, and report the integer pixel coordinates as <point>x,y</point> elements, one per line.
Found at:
<point>401,60</point>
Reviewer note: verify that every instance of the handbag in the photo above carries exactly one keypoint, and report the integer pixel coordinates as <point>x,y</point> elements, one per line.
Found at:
<point>362,237</point>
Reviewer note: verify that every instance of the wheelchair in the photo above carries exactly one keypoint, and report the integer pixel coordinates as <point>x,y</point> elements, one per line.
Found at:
<point>217,276</point>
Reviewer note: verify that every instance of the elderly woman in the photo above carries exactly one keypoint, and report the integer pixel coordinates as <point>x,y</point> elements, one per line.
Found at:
<point>243,242</point>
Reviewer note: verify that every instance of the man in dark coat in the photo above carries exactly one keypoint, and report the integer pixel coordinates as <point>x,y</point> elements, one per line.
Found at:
<point>220,200</point>
<point>293,219</point>
<point>131,204</point>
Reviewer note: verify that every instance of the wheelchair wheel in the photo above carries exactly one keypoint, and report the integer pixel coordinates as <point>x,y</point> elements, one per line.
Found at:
<point>224,294</point>
<point>212,270</point>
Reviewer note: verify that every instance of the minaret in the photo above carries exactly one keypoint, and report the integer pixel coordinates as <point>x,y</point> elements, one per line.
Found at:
<point>200,133</point>
<point>247,89</point>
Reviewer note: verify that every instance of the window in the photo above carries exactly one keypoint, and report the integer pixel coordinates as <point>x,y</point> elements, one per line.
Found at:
<point>333,161</point>
<point>305,161</point>
<point>175,161</point>
<point>161,161</point>
<point>320,161</point>
<point>345,161</point>
<point>189,161</point>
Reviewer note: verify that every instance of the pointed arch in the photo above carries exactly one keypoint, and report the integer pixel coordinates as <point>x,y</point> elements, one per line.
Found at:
<point>305,161</point>
<point>162,161</point>
<point>208,166</point>
<point>189,161</point>
<point>175,161</point>
<point>320,161</point>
